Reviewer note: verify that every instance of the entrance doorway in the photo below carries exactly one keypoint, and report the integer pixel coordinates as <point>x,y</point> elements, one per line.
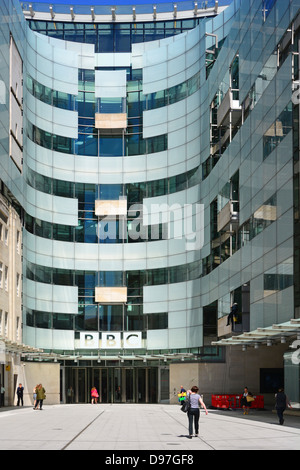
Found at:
<point>114,384</point>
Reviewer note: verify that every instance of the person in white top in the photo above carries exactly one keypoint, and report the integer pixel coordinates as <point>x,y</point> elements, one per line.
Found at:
<point>194,411</point>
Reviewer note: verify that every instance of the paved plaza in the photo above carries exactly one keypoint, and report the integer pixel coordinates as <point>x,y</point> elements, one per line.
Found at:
<point>131,427</point>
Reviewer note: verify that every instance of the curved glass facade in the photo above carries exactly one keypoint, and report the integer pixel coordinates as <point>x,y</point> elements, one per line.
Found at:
<point>173,96</point>
<point>158,178</point>
<point>109,38</point>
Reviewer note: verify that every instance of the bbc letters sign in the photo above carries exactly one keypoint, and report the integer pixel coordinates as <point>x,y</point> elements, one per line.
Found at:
<point>111,340</point>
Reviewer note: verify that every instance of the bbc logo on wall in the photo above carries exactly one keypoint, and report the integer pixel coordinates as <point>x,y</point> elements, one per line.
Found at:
<point>111,340</point>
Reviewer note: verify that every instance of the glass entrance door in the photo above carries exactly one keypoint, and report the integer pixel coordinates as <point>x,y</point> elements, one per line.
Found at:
<point>122,385</point>
<point>114,384</point>
<point>80,389</point>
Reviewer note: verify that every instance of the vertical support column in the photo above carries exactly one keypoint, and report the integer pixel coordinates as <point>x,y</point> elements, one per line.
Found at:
<point>63,384</point>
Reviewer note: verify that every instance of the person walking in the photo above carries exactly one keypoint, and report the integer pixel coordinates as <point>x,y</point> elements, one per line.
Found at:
<point>246,400</point>
<point>2,396</point>
<point>20,391</point>
<point>281,403</point>
<point>70,395</point>
<point>34,395</point>
<point>94,395</point>
<point>181,395</point>
<point>194,410</point>
<point>40,396</point>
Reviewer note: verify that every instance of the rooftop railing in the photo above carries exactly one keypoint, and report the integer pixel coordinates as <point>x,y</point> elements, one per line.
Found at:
<point>134,10</point>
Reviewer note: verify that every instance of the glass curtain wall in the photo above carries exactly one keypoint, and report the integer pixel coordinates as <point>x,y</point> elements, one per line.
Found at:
<point>113,37</point>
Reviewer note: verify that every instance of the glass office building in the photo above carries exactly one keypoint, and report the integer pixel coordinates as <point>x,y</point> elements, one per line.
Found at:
<point>155,160</point>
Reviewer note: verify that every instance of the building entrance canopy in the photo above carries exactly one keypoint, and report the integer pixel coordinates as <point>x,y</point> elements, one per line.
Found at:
<point>103,357</point>
<point>7,346</point>
<point>264,336</point>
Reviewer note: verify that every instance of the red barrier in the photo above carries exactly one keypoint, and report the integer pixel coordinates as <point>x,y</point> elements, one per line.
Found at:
<point>234,401</point>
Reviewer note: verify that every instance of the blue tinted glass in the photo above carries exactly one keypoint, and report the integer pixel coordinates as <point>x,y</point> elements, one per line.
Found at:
<point>111,105</point>
<point>111,146</point>
<point>87,145</point>
<point>110,191</point>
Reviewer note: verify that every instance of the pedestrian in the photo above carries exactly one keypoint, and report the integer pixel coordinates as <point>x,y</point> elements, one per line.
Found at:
<point>194,410</point>
<point>246,400</point>
<point>181,395</point>
<point>2,395</point>
<point>20,391</point>
<point>34,396</point>
<point>118,393</point>
<point>40,396</point>
<point>70,395</point>
<point>281,403</point>
<point>94,395</point>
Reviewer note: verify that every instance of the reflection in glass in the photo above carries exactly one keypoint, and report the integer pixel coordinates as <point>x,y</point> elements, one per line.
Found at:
<point>279,277</point>
<point>278,130</point>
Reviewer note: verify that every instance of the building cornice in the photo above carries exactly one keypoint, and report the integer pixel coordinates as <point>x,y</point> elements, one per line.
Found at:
<point>122,13</point>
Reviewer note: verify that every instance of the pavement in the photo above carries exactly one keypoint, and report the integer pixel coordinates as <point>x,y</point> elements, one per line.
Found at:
<point>158,428</point>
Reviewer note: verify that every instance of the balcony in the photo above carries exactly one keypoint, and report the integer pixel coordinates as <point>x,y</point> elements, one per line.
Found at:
<point>229,111</point>
<point>111,123</point>
<point>110,295</point>
<point>113,208</point>
<point>228,218</point>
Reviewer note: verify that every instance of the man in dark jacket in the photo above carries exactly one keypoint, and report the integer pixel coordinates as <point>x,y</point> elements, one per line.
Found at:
<point>281,404</point>
<point>233,313</point>
<point>20,391</point>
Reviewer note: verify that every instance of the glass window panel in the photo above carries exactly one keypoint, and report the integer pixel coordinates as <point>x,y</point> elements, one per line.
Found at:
<point>62,321</point>
<point>105,38</point>
<point>74,32</point>
<point>110,191</point>
<point>29,318</point>
<point>43,274</point>
<point>61,100</point>
<point>42,320</point>
<point>194,177</point>
<point>157,144</point>
<point>87,144</point>
<point>111,105</point>
<point>138,33</point>
<point>110,278</point>
<point>30,84</point>
<point>91,317</point>
<point>90,231</point>
<point>134,105</point>
<point>177,274</point>
<point>157,188</point>
<point>194,270</point>
<point>63,277</point>
<point>111,317</point>
<point>62,144</point>
<point>157,321</point>
<point>122,37</point>
<point>111,146</point>
<point>278,130</point>
<point>135,193</point>
<point>42,183</point>
<point>63,188</point>
<point>91,34</point>
<point>134,318</point>
<point>79,322</point>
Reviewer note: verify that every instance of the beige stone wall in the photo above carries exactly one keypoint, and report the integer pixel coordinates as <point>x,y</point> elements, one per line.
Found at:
<point>11,259</point>
<point>10,294</point>
<point>33,373</point>
<point>240,369</point>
